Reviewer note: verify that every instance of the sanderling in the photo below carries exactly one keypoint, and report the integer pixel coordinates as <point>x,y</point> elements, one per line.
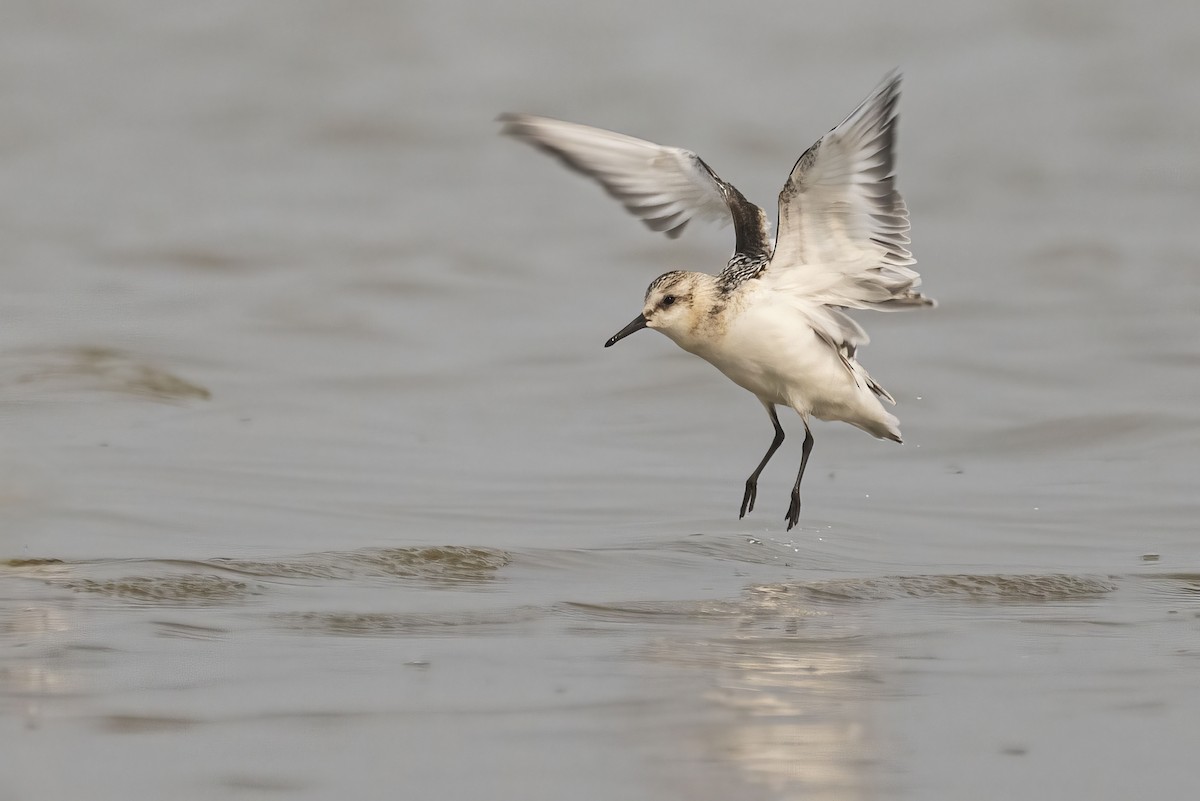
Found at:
<point>774,320</point>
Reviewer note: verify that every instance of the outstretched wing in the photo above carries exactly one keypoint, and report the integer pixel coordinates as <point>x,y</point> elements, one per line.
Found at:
<point>843,228</point>
<point>666,187</point>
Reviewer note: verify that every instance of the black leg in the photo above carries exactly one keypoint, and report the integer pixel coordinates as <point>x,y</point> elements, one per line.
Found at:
<point>793,513</point>
<point>752,482</point>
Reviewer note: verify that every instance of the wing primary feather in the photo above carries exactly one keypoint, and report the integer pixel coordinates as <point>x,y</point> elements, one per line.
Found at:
<point>665,187</point>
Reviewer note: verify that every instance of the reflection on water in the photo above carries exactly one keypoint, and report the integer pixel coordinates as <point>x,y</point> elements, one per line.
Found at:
<point>36,666</point>
<point>795,674</point>
<point>38,630</point>
<point>800,687</point>
<point>801,670</point>
<point>802,714</point>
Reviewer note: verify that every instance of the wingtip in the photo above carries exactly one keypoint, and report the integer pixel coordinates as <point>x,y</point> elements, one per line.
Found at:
<point>888,86</point>
<point>511,123</point>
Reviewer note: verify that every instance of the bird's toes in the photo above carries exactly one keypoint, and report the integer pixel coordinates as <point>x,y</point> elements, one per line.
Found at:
<point>793,513</point>
<point>748,500</point>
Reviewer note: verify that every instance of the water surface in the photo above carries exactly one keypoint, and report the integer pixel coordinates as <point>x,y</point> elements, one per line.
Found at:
<point>317,482</point>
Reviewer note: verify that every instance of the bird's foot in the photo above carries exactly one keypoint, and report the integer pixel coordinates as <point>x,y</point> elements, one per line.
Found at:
<point>793,512</point>
<point>748,498</point>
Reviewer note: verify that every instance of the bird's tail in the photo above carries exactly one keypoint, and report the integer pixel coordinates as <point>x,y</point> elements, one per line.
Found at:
<point>883,424</point>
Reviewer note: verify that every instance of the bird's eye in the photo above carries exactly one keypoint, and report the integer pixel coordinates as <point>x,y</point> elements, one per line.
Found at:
<point>668,300</point>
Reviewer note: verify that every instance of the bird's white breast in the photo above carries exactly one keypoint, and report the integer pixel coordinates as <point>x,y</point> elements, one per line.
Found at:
<point>768,348</point>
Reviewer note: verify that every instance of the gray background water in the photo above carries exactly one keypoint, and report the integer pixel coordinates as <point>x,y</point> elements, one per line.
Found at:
<point>316,482</point>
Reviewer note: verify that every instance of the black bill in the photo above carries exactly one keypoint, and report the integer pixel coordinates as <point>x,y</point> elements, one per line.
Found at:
<point>638,324</point>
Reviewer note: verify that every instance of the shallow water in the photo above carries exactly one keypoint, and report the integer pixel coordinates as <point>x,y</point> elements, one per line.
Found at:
<point>316,481</point>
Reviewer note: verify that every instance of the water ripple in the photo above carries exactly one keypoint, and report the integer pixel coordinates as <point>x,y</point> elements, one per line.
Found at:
<point>980,588</point>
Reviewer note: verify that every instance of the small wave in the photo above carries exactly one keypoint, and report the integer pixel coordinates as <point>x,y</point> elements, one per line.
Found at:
<point>451,564</point>
<point>362,624</point>
<point>107,369</point>
<point>185,589</point>
<point>982,588</point>
<point>654,611</point>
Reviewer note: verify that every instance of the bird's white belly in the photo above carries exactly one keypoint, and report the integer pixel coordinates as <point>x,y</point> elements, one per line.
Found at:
<point>779,358</point>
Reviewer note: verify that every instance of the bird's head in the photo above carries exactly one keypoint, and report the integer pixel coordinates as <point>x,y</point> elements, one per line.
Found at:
<point>671,306</point>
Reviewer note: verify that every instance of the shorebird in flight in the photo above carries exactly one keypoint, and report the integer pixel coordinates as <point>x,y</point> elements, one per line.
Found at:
<point>774,319</point>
